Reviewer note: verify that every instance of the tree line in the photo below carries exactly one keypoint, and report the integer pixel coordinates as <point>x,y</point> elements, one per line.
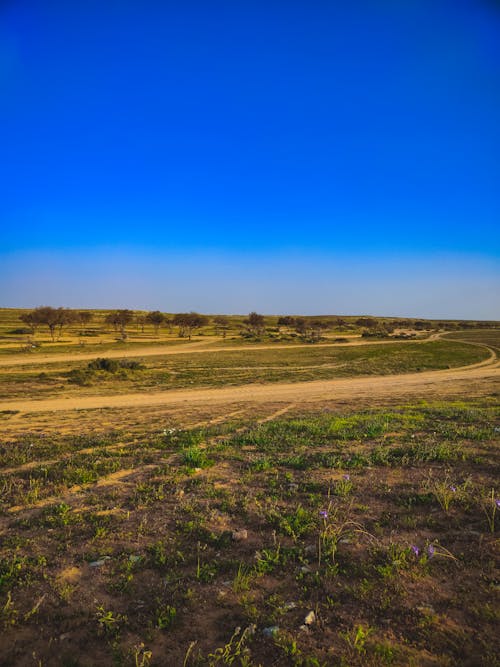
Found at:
<point>56,319</point>
<point>310,328</point>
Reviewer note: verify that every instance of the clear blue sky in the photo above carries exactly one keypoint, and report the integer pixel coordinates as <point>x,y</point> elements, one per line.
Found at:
<point>282,156</point>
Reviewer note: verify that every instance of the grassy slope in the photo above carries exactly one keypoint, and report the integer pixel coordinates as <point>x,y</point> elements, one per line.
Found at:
<point>234,368</point>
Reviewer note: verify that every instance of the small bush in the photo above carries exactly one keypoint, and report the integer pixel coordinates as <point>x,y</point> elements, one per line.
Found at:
<point>113,365</point>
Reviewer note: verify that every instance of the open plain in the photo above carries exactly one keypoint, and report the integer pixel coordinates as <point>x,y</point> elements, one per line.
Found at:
<point>248,499</point>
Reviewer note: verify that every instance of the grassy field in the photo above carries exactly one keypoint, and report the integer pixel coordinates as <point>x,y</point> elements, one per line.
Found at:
<point>217,369</point>
<point>261,535</point>
<point>98,336</point>
<point>363,538</point>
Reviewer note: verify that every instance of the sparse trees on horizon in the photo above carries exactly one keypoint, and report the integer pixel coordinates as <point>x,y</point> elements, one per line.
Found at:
<point>221,324</point>
<point>120,319</point>
<point>187,322</point>
<point>156,319</point>
<point>255,323</point>
<point>53,318</point>
<point>84,317</point>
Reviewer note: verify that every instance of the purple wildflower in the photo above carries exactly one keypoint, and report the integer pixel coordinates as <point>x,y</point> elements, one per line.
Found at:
<point>323,514</point>
<point>453,488</point>
<point>415,549</point>
<point>347,477</point>
<point>431,550</point>
<point>497,503</point>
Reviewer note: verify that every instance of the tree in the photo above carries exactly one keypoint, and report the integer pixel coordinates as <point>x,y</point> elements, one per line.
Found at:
<point>120,319</point>
<point>141,321</point>
<point>156,319</point>
<point>83,317</point>
<point>65,317</point>
<point>367,322</point>
<point>53,318</point>
<point>221,324</point>
<point>286,321</point>
<point>310,329</point>
<point>301,325</point>
<point>255,323</point>
<point>31,320</point>
<point>187,322</point>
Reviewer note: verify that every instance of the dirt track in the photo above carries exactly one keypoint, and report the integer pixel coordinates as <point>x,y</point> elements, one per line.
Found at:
<point>201,347</point>
<point>317,390</point>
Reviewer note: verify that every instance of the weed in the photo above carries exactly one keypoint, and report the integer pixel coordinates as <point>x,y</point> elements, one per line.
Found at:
<point>298,523</point>
<point>108,621</point>
<point>357,637</point>
<point>343,486</point>
<point>242,579</point>
<point>234,650</point>
<point>165,616</point>
<point>444,491</point>
<point>142,656</point>
<point>195,457</point>
<point>8,613</point>
<point>490,504</point>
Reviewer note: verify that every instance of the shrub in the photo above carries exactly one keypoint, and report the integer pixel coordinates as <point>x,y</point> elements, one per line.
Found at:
<point>113,365</point>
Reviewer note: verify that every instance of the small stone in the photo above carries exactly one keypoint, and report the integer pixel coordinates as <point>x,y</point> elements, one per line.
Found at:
<point>310,549</point>
<point>240,535</point>
<point>305,569</point>
<point>303,628</point>
<point>64,636</point>
<point>310,618</point>
<point>271,631</point>
<point>101,561</point>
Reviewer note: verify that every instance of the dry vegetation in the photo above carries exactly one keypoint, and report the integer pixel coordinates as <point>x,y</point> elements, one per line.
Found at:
<point>352,530</point>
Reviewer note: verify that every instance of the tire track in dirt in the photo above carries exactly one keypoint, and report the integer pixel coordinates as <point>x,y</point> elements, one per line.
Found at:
<point>308,391</point>
<point>192,348</point>
<point>109,448</point>
<point>67,496</point>
<point>119,477</point>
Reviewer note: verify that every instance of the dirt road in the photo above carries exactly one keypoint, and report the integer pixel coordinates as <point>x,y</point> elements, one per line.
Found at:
<point>316,390</point>
<point>201,347</point>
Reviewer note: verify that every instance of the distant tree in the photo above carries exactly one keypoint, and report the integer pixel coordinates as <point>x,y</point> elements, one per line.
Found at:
<point>301,325</point>
<point>120,319</point>
<point>65,316</point>
<point>156,319</point>
<point>366,322</point>
<point>256,323</point>
<point>419,325</point>
<point>221,324</point>
<point>141,322</point>
<point>53,318</point>
<point>48,316</point>
<point>286,321</point>
<point>84,317</point>
<point>310,329</point>
<point>187,322</point>
<point>31,320</point>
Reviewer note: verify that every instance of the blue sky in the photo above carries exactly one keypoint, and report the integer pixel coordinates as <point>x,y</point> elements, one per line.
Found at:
<point>282,156</point>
